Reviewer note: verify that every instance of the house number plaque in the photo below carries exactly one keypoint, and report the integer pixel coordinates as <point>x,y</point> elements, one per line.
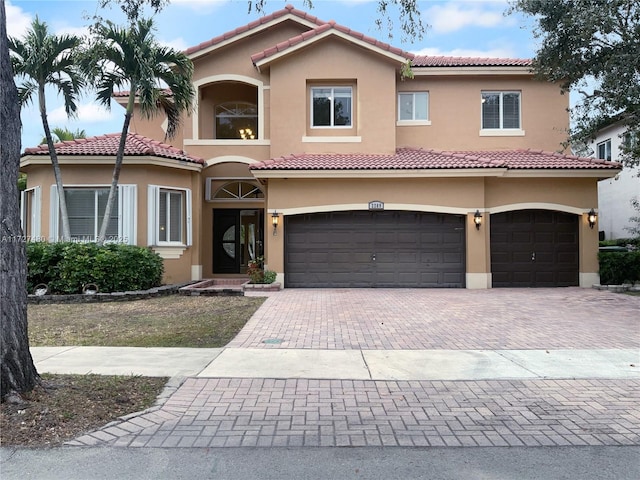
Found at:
<point>376,205</point>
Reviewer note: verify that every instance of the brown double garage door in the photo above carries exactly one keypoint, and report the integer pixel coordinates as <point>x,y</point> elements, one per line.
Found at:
<point>374,249</point>
<point>529,248</point>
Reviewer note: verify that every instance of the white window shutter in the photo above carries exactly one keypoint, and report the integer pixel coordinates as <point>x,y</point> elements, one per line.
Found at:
<point>36,212</point>
<point>128,219</point>
<point>54,214</point>
<point>189,215</point>
<point>23,210</point>
<point>153,194</point>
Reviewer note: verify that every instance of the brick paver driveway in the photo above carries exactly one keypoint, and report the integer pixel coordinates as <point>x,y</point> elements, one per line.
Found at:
<point>231,412</point>
<point>393,319</point>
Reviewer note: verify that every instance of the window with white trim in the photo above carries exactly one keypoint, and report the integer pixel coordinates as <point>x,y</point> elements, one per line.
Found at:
<point>171,215</point>
<point>169,218</point>
<point>86,205</point>
<point>85,209</point>
<point>604,150</point>
<point>501,110</point>
<point>331,107</point>
<point>413,106</point>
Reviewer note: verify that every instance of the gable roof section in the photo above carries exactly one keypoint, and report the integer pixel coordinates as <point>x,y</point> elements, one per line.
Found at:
<point>325,30</point>
<point>436,161</point>
<point>107,145</point>
<point>287,13</point>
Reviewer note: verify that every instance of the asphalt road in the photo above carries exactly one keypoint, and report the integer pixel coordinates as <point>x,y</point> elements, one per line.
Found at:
<point>70,463</point>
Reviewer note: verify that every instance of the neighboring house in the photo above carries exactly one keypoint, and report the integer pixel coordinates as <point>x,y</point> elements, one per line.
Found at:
<point>307,146</point>
<point>615,194</point>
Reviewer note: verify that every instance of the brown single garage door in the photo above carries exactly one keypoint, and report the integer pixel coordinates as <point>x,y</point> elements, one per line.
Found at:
<point>534,248</point>
<point>374,249</point>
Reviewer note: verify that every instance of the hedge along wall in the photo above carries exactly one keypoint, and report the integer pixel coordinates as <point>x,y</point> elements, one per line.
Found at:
<point>67,267</point>
<point>617,268</point>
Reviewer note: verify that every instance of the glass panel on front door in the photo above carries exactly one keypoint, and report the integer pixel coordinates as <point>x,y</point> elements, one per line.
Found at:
<point>237,238</point>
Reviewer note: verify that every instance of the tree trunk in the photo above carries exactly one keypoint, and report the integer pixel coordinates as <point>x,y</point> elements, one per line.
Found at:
<point>64,216</point>
<point>18,373</point>
<point>117,167</point>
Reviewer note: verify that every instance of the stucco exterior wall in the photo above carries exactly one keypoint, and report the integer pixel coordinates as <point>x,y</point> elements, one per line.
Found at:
<point>444,195</point>
<point>455,110</point>
<point>83,174</point>
<point>373,80</point>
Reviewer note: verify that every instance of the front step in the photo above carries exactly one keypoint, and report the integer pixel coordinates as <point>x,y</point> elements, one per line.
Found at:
<point>216,287</point>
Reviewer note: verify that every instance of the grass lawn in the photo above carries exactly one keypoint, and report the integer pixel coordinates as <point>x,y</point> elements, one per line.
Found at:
<point>171,321</point>
<point>66,406</point>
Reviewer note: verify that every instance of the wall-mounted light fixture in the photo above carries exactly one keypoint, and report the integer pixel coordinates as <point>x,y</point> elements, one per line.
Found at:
<point>477,219</point>
<point>275,219</point>
<point>592,216</point>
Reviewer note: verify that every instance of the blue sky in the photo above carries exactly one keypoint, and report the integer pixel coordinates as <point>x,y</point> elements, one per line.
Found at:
<point>456,27</point>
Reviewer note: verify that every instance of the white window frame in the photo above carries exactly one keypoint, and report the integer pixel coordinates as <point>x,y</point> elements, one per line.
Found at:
<point>153,216</point>
<point>332,97</point>
<point>414,120</point>
<point>607,149</point>
<point>127,212</point>
<point>501,131</point>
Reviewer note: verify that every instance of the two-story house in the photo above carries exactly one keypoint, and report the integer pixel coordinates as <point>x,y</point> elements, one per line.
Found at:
<point>615,194</point>
<point>309,146</point>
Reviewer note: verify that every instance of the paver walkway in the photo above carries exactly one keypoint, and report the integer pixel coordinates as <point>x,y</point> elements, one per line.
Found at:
<point>298,412</point>
<point>225,412</point>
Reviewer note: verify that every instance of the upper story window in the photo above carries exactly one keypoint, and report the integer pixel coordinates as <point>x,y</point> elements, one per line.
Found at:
<point>236,120</point>
<point>413,108</point>
<point>604,150</point>
<point>501,110</point>
<point>331,106</point>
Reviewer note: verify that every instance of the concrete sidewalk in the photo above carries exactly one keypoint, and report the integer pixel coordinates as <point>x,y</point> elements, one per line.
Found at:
<point>340,364</point>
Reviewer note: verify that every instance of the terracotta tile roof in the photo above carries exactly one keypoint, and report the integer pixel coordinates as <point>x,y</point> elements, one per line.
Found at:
<point>426,159</point>
<point>325,27</point>
<point>107,145</point>
<point>531,159</point>
<point>435,61</point>
<point>288,10</point>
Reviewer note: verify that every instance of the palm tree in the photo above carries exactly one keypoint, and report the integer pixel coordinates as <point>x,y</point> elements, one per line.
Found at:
<point>42,59</point>
<point>64,134</point>
<point>158,77</point>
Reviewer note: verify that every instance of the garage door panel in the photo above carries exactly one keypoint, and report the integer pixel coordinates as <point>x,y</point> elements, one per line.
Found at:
<point>549,258</point>
<point>411,249</point>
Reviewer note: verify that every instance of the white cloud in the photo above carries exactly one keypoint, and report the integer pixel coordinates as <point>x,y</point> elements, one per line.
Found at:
<point>200,6</point>
<point>179,43</point>
<point>502,52</point>
<point>455,16</point>
<point>18,22</point>
<point>87,113</point>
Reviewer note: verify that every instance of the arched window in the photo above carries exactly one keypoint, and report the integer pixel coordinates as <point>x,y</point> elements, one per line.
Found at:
<point>237,120</point>
<point>238,191</point>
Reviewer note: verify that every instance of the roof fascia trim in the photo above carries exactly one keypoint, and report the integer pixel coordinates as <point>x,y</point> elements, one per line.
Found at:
<point>253,31</point>
<point>89,160</point>
<point>424,71</point>
<point>399,173</point>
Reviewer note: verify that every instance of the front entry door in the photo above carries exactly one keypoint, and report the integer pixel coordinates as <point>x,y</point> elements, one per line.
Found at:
<point>237,238</point>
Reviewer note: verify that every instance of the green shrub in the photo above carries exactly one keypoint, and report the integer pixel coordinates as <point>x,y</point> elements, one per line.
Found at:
<point>67,267</point>
<point>269,276</point>
<point>617,268</point>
